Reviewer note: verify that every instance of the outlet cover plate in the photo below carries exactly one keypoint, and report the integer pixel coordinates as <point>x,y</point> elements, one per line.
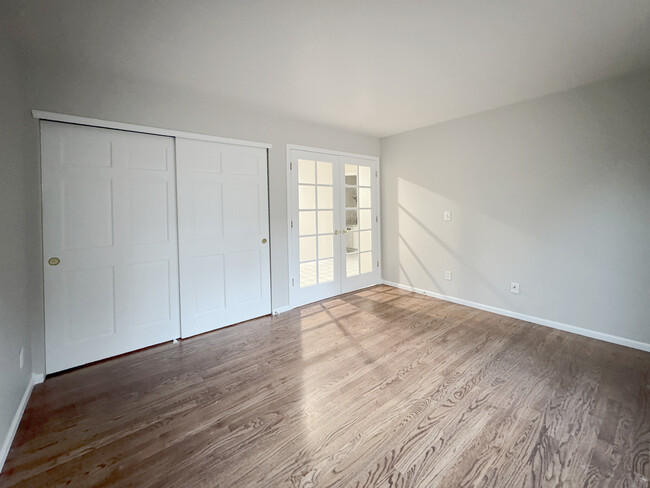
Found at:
<point>514,288</point>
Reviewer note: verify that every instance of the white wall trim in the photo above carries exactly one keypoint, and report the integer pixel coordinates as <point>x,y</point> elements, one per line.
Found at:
<point>34,379</point>
<point>330,151</point>
<point>108,124</point>
<point>643,346</point>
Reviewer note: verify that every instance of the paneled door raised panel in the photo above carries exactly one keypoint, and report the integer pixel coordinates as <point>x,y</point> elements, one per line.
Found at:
<point>223,234</point>
<point>334,225</point>
<point>109,242</point>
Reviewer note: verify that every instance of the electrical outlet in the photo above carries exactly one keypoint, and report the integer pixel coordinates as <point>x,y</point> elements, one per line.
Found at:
<point>21,357</point>
<point>447,215</point>
<point>448,275</point>
<point>514,288</point>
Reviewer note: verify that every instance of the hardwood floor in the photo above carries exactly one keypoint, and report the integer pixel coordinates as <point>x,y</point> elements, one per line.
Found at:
<point>380,387</point>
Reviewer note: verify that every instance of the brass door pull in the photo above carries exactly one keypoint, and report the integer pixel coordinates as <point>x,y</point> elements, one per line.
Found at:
<point>264,241</point>
<point>53,261</point>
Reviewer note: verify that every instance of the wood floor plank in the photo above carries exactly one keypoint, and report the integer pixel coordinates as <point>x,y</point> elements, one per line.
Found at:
<point>379,387</point>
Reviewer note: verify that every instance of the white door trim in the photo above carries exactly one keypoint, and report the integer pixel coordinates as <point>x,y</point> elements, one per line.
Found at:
<point>331,152</point>
<point>108,124</point>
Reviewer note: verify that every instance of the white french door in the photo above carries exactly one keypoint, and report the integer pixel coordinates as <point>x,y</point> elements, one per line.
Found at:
<point>223,234</point>
<point>360,214</point>
<point>109,242</point>
<point>316,227</point>
<point>334,235</point>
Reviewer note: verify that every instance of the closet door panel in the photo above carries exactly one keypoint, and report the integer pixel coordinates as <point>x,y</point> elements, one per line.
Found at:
<point>223,234</point>
<point>109,240</point>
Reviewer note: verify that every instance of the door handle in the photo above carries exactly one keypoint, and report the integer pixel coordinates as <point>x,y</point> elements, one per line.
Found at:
<point>336,232</point>
<point>264,241</point>
<point>53,261</point>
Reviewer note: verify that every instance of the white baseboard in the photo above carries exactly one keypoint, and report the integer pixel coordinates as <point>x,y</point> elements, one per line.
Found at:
<point>643,346</point>
<point>281,310</point>
<point>34,379</point>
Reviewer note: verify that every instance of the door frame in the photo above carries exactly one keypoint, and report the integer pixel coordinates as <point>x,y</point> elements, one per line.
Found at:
<point>156,131</point>
<point>290,252</point>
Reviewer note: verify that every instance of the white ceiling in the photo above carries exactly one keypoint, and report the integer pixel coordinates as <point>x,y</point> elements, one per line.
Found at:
<point>377,67</point>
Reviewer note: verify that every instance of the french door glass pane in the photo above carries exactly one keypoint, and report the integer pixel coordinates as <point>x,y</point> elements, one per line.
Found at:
<point>352,242</point>
<point>350,174</point>
<point>351,219</point>
<point>365,219</point>
<point>307,274</point>
<point>307,248</point>
<point>365,200</point>
<point>306,197</point>
<point>307,223</point>
<point>306,172</point>
<point>324,173</point>
<point>366,262</point>
<point>350,197</point>
<point>325,197</point>
<point>325,246</point>
<point>365,241</point>
<point>326,271</point>
<point>364,175</point>
<point>352,265</point>
<point>325,222</point>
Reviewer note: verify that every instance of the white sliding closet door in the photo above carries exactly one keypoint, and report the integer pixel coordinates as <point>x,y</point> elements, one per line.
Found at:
<point>223,234</point>
<point>109,242</point>
<point>334,233</point>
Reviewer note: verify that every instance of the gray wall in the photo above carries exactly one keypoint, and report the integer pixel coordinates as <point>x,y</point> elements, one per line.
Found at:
<point>552,193</point>
<point>100,95</point>
<point>15,245</point>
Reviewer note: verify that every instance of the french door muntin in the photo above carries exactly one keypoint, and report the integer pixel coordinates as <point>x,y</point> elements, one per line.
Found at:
<point>334,238</point>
